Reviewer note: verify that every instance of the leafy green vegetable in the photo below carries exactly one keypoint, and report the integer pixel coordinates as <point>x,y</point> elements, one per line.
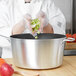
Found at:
<point>35,24</point>
<point>36,37</point>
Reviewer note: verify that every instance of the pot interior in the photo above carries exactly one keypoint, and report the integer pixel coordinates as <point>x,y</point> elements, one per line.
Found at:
<point>40,36</point>
<point>23,36</point>
<point>50,36</point>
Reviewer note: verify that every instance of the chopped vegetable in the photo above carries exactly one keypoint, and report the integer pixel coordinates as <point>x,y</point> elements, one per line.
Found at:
<point>74,36</point>
<point>68,35</point>
<point>36,37</point>
<point>38,32</point>
<point>35,24</point>
<point>6,70</point>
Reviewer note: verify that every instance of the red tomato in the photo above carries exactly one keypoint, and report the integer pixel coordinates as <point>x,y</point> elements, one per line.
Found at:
<point>68,35</point>
<point>6,70</point>
<point>74,36</point>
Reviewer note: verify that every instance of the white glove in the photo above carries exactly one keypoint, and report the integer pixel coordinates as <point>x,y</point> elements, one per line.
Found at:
<point>43,20</point>
<point>27,19</point>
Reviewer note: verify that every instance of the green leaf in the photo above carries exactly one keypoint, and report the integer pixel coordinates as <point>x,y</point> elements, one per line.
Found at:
<point>37,23</point>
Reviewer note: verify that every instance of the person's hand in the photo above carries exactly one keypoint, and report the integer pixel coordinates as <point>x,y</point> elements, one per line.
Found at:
<point>27,19</point>
<point>22,25</point>
<point>43,20</point>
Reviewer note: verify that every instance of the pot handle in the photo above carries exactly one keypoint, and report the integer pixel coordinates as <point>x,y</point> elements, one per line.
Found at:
<point>69,39</point>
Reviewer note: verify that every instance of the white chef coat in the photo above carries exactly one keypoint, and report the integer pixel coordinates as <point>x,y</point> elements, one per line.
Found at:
<point>12,11</point>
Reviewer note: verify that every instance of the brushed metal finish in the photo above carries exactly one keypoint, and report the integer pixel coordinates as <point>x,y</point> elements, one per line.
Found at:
<point>37,54</point>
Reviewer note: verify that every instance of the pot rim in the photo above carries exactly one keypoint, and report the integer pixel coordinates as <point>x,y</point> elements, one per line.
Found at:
<point>18,36</point>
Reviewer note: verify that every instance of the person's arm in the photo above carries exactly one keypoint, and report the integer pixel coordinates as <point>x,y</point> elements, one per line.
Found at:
<point>5,29</point>
<point>56,18</point>
<point>18,28</point>
<point>22,25</point>
<point>48,29</point>
<point>4,19</point>
<point>45,27</point>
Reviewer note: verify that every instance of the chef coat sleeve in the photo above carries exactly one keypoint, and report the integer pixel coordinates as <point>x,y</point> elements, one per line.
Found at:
<point>5,29</point>
<point>56,18</point>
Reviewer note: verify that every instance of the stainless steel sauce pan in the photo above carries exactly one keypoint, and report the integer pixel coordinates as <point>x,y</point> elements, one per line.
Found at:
<point>42,53</point>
